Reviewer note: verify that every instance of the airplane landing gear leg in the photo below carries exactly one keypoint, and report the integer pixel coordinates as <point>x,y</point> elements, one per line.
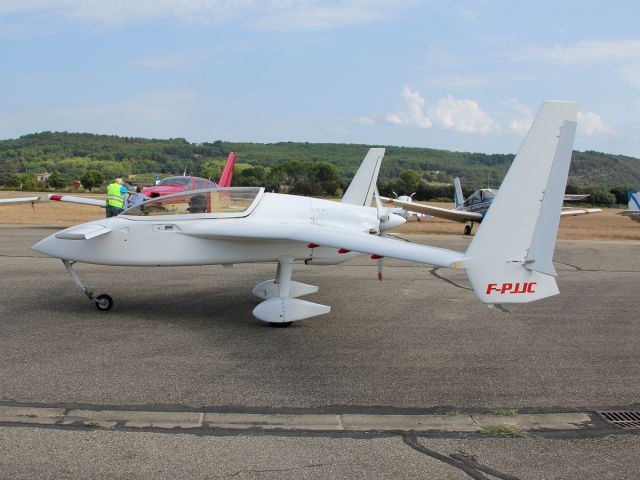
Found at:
<point>103,302</point>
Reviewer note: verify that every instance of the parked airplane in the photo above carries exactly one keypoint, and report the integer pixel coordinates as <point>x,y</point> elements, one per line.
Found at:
<point>508,261</point>
<point>634,206</point>
<point>404,213</point>
<point>184,183</point>
<point>474,208</point>
<point>166,186</point>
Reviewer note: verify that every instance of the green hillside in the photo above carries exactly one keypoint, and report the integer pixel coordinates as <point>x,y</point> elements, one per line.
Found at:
<point>322,169</point>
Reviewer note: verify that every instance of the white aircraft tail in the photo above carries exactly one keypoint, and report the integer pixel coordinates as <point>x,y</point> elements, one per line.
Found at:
<point>510,257</point>
<point>634,201</point>
<point>361,188</point>
<point>458,198</point>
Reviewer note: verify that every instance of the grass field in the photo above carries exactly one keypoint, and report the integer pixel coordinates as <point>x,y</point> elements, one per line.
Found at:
<point>607,225</point>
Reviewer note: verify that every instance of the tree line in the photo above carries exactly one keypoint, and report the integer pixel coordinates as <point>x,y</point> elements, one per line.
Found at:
<point>293,167</point>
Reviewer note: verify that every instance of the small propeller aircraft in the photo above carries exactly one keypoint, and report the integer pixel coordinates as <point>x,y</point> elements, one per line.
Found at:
<point>404,213</point>
<point>634,206</point>
<point>474,208</point>
<point>185,183</point>
<point>508,261</point>
<point>165,187</point>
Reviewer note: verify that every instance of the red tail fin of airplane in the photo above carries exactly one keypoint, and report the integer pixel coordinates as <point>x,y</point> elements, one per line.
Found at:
<point>227,172</point>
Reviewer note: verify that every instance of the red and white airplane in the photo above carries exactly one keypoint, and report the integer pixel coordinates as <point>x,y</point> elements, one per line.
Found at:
<point>166,186</point>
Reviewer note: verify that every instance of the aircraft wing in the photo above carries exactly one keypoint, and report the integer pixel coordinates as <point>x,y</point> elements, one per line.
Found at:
<point>573,197</point>
<point>632,214</point>
<point>449,214</point>
<point>327,237</point>
<point>578,211</point>
<point>97,202</point>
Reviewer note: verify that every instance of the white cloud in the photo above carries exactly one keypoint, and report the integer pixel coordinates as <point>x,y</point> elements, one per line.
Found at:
<point>364,120</point>
<point>261,14</point>
<point>415,103</point>
<point>162,62</point>
<point>586,52</point>
<point>396,119</point>
<point>449,113</point>
<point>522,124</point>
<point>461,115</point>
<point>590,123</point>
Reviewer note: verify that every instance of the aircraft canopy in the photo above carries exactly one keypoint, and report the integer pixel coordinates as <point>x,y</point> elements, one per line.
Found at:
<point>217,202</point>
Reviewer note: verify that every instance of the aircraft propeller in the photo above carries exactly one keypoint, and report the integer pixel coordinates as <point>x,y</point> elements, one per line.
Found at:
<point>384,216</point>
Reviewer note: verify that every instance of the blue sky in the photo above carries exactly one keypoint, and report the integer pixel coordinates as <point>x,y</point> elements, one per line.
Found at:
<point>465,75</point>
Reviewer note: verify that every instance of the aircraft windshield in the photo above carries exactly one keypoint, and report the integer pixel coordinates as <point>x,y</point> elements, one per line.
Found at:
<point>221,202</point>
<point>480,196</point>
<point>182,181</point>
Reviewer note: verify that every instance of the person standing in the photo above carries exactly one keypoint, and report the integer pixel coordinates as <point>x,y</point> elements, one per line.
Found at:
<point>116,194</point>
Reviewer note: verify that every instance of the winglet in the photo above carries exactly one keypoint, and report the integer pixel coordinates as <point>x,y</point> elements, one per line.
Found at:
<point>509,259</point>
<point>227,172</point>
<point>361,188</point>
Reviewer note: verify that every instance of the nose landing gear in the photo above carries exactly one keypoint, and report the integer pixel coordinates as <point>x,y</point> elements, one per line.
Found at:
<point>467,229</point>
<point>103,302</point>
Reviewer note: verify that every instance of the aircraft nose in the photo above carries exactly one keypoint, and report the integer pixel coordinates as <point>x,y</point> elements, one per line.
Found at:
<point>49,246</point>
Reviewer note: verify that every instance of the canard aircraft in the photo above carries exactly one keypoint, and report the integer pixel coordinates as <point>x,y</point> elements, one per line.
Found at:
<point>508,261</point>
<point>166,186</point>
<point>474,208</point>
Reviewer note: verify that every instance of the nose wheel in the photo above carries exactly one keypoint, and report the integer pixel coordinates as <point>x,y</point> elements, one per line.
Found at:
<point>104,302</point>
<point>467,229</point>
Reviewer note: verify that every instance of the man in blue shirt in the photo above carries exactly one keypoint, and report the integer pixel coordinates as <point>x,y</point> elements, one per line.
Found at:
<point>137,198</point>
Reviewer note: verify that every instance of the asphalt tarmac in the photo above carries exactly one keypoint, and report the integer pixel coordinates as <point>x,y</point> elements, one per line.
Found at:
<point>417,342</point>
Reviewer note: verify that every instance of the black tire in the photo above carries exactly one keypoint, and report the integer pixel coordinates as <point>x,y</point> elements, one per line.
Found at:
<point>280,324</point>
<point>467,229</point>
<point>104,302</point>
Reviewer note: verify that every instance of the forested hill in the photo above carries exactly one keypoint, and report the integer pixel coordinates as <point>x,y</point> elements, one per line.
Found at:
<point>423,169</point>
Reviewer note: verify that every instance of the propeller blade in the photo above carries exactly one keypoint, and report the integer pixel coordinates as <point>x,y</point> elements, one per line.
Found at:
<point>378,202</point>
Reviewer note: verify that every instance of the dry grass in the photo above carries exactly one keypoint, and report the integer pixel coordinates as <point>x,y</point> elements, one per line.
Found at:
<point>607,225</point>
<point>57,214</point>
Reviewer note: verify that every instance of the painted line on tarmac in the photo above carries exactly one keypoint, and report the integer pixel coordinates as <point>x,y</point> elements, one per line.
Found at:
<point>341,422</point>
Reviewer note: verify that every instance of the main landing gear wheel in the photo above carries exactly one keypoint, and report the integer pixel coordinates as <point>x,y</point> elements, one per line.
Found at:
<point>467,229</point>
<point>104,302</point>
<point>280,324</point>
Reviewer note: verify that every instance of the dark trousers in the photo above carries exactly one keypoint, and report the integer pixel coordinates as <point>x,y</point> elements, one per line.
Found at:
<point>113,211</point>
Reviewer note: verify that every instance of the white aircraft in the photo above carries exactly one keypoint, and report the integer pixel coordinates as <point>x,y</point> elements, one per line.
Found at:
<point>474,208</point>
<point>508,261</point>
<point>634,206</point>
<point>404,213</point>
